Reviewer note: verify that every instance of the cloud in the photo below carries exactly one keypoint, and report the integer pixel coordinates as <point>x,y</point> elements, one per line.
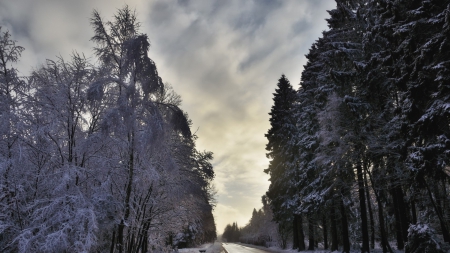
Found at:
<point>253,15</point>
<point>234,214</point>
<point>223,57</point>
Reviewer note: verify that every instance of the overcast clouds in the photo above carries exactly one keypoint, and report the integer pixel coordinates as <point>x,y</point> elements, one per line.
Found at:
<point>223,57</point>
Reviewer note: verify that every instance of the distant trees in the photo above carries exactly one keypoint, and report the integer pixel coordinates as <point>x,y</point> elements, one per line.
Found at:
<point>232,233</point>
<point>99,158</point>
<point>261,229</point>
<point>366,153</point>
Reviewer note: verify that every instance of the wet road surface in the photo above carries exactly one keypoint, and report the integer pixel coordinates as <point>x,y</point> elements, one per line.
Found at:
<point>236,248</point>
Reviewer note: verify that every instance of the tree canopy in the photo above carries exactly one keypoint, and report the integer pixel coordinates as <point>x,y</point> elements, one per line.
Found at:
<point>99,157</point>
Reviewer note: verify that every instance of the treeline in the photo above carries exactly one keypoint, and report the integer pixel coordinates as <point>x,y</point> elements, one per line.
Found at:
<point>261,230</point>
<point>232,233</point>
<point>359,152</point>
<point>99,158</point>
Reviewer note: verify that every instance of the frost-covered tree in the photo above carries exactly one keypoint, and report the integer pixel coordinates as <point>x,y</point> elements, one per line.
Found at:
<point>138,124</point>
<point>59,156</point>
<point>97,158</point>
<point>156,151</point>
<point>12,91</point>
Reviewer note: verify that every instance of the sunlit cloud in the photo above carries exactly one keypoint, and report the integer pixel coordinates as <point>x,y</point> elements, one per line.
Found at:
<point>223,57</point>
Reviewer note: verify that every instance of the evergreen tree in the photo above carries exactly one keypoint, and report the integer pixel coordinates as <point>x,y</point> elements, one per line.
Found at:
<point>371,120</point>
<point>280,133</point>
<point>280,121</point>
<point>349,107</point>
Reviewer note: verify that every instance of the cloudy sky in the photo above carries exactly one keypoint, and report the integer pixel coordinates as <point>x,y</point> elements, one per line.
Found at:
<point>223,57</point>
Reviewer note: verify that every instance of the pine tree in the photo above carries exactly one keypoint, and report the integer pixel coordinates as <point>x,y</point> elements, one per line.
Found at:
<point>304,142</point>
<point>350,108</point>
<point>371,115</point>
<point>280,133</point>
<point>426,98</point>
<point>402,72</point>
<point>277,135</point>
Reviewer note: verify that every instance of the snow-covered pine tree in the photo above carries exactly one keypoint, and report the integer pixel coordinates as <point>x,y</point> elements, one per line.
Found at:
<point>378,91</point>
<point>425,29</point>
<point>402,44</point>
<point>347,28</point>
<point>304,143</point>
<point>282,127</point>
<point>337,131</point>
<point>386,138</point>
<point>373,101</point>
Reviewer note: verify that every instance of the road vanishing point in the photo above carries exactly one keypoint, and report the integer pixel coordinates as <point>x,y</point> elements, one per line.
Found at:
<point>237,248</point>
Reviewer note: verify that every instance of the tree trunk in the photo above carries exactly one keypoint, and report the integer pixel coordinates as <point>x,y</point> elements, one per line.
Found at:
<point>345,233</point>
<point>301,235</point>
<point>362,208</point>
<point>295,233</point>
<point>144,237</point>
<point>120,236</point>
<point>398,230</point>
<point>440,204</point>
<point>445,207</point>
<point>113,242</point>
<point>383,236</point>
<point>310,233</point>
<point>131,244</point>
<point>325,232</point>
<point>369,206</point>
<point>384,242</point>
<point>128,192</point>
<point>444,229</point>
<point>404,216</point>
<point>334,234</point>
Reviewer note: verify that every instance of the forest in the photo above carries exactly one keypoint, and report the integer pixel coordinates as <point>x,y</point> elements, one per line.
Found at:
<point>359,152</point>
<point>96,154</point>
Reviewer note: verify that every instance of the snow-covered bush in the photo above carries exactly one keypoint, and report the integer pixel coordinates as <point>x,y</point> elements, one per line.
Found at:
<point>422,238</point>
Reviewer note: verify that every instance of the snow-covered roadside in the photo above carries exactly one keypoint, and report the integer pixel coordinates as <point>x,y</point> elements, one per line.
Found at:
<point>210,248</point>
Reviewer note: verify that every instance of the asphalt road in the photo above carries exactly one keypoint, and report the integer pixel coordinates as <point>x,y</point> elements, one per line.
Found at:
<point>236,248</point>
